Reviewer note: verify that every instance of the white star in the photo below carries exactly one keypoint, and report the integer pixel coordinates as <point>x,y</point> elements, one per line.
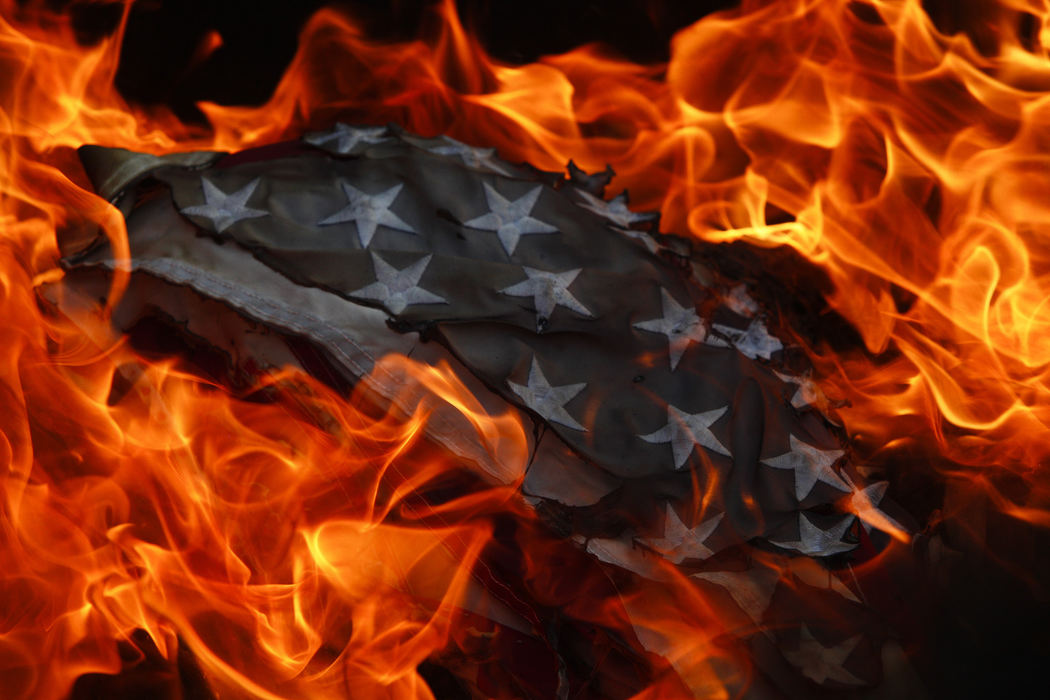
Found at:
<point>477,158</point>
<point>753,343</point>
<point>807,394</point>
<point>679,323</point>
<point>548,290</point>
<point>348,137</point>
<point>367,211</point>
<point>864,503</point>
<point>224,210</point>
<point>684,430</point>
<point>819,662</point>
<point>814,542</point>
<point>395,289</point>
<point>615,210</point>
<point>740,301</point>
<point>546,400</point>
<point>752,590</point>
<point>510,219</point>
<point>810,465</point>
<point>680,542</point>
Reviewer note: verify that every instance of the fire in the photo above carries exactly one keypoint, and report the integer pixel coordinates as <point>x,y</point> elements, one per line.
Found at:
<point>293,545</point>
<point>292,541</point>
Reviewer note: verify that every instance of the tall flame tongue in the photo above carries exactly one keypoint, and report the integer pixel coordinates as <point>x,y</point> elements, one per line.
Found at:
<point>906,164</point>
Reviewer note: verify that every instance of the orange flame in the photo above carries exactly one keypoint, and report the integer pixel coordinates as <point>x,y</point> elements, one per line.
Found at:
<point>294,560</point>
<point>906,163</point>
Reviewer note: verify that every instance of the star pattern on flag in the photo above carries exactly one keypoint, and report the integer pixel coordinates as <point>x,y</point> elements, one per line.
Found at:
<point>753,342</point>
<point>615,209</point>
<point>816,542</point>
<point>477,158</point>
<point>807,393</point>
<point>864,503</point>
<point>397,289</point>
<point>348,138</point>
<point>510,219</point>
<point>546,400</point>
<point>820,663</point>
<point>752,590</point>
<point>608,325</point>
<point>222,209</point>
<point>368,211</point>
<point>680,542</point>
<point>680,324</point>
<point>810,464</point>
<point>686,430</point>
<point>548,290</point>
<point>740,302</point>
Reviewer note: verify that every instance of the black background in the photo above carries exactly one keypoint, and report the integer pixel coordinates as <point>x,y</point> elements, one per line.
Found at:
<point>259,38</point>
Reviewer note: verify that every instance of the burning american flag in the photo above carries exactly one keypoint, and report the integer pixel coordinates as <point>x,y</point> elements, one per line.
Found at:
<point>388,388</point>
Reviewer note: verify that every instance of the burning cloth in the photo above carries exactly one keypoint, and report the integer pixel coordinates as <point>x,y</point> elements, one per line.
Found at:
<point>669,422</point>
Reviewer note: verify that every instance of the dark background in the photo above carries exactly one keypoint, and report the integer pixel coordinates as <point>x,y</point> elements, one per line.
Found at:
<point>158,65</point>
<point>259,37</point>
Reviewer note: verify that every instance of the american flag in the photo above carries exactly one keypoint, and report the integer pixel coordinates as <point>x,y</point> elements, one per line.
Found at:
<point>644,376</point>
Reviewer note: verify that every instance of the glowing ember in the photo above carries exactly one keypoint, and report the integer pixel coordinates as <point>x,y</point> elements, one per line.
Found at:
<point>302,543</point>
